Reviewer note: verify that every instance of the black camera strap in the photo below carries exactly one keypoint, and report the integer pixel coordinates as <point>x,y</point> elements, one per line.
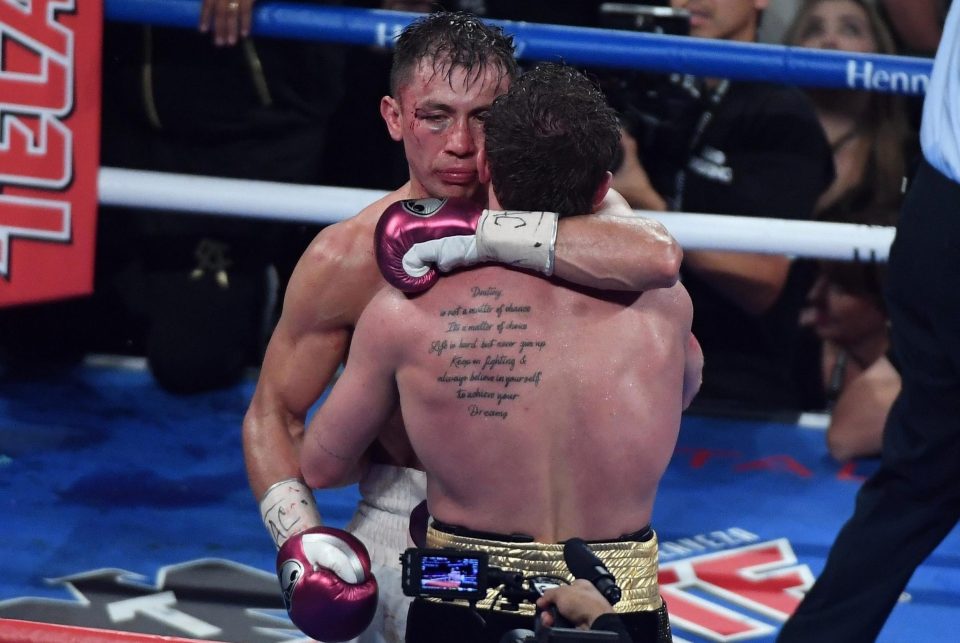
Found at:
<point>713,100</point>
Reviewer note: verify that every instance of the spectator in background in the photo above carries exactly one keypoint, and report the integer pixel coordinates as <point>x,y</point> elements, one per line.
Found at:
<point>849,317</point>
<point>193,293</point>
<point>868,131</point>
<point>211,102</point>
<point>756,149</point>
<point>871,139</point>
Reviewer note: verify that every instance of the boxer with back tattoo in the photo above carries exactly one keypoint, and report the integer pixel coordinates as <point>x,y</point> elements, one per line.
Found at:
<point>540,411</point>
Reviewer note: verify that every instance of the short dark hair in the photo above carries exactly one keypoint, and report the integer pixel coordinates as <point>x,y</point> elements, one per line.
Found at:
<point>549,140</point>
<point>452,40</point>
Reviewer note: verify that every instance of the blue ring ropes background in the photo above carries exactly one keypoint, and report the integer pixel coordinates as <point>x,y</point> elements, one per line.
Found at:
<point>574,45</point>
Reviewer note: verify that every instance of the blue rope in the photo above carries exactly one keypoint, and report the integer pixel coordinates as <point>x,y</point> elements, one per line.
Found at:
<point>574,45</point>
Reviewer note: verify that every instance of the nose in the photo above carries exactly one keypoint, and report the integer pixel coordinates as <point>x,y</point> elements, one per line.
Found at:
<point>827,40</point>
<point>818,290</point>
<point>461,141</point>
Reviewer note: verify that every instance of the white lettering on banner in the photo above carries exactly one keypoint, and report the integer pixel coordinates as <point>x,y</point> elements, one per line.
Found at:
<point>700,543</point>
<point>764,579</point>
<point>35,29</point>
<point>26,218</point>
<point>160,607</point>
<point>36,147</point>
<point>866,77</point>
<point>40,158</point>
<point>386,34</point>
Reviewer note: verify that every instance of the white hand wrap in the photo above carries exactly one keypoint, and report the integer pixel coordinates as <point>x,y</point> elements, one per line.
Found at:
<point>515,238</point>
<point>287,508</point>
<point>446,254</point>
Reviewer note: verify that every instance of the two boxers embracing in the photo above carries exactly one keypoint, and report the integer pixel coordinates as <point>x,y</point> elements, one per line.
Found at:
<point>448,69</point>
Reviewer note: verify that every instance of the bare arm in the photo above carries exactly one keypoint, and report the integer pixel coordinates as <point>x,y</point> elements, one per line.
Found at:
<point>751,281</point>
<point>307,346</point>
<point>580,603</point>
<point>615,249</point>
<point>856,425</point>
<point>631,179</point>
<point>361,401</point>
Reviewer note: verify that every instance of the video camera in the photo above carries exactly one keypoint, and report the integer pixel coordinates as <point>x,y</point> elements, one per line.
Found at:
<point>450,574</point>
<point>659,110</point>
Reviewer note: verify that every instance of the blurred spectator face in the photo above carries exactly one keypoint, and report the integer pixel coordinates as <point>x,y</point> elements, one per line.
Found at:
<point>439,118</point>
<point>723,19</point>
<point>836,24</point>
<point>841,309</point>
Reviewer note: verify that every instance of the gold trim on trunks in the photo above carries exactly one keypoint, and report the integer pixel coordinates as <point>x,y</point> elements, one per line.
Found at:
<point>632,563</point>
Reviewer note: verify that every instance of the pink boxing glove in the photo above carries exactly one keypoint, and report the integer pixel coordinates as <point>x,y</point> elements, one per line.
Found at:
<point>405,224</point>
<point>328,588</point>
<point>417,237</point>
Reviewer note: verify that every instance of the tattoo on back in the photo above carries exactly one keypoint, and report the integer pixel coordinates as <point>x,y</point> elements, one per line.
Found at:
<point>484,352</point>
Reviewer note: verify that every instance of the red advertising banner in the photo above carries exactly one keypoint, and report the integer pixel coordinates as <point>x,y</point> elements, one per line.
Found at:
<point>49,147</point>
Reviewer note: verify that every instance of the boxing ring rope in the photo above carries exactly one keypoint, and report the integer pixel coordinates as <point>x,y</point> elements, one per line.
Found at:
<point>575,45</point>
<point>324,205</point>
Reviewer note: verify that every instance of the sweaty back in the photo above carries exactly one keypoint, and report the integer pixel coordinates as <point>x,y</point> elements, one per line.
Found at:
<point>539,409</point>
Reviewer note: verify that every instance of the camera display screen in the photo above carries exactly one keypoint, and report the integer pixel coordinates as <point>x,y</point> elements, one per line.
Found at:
<point>445,573</point>
<point>449,574</point>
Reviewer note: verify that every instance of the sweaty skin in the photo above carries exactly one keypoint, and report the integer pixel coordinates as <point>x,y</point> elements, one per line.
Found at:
<point>337,276</point>
<point>523,421</point>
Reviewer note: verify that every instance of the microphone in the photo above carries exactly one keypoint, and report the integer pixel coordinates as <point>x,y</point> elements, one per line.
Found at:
<point>583,563</point>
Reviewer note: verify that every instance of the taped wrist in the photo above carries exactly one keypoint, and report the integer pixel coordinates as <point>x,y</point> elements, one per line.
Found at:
<point>521,239</point>
<point>287,508</point>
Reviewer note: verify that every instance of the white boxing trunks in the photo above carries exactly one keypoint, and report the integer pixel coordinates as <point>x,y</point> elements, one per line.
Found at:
<point>382,522</point>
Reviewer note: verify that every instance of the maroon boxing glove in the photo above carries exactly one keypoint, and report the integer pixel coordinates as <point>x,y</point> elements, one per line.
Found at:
<point>416,237</point>
<point>328,588</point>
<point>405,224</point>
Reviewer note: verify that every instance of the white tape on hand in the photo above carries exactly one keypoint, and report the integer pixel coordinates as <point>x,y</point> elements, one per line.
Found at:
<point>287,508</point>
<point>515,238</point>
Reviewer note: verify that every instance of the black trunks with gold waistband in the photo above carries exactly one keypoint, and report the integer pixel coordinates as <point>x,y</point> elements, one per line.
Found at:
<point>632,559</point>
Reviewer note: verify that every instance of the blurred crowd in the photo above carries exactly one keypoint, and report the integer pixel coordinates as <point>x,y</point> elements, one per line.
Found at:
<point>197,295</point>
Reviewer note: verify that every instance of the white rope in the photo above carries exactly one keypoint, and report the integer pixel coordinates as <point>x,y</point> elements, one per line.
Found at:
<point>324,205</point>
<point>231,197</point>
<point>812,239</point>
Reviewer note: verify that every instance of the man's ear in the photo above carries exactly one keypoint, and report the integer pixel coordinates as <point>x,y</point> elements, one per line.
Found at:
<point>483,168</point>
<point>390,111</point>
<point>602,189</point>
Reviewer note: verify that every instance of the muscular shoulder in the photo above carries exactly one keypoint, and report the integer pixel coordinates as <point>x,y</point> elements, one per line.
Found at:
<point>349,242</point>
<point>337,275</point>
<point>673,302</point>
<point>388,322</point>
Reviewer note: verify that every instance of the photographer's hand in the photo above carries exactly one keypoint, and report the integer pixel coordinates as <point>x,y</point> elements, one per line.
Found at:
<point>580,603</point>
<point>631,179</point>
